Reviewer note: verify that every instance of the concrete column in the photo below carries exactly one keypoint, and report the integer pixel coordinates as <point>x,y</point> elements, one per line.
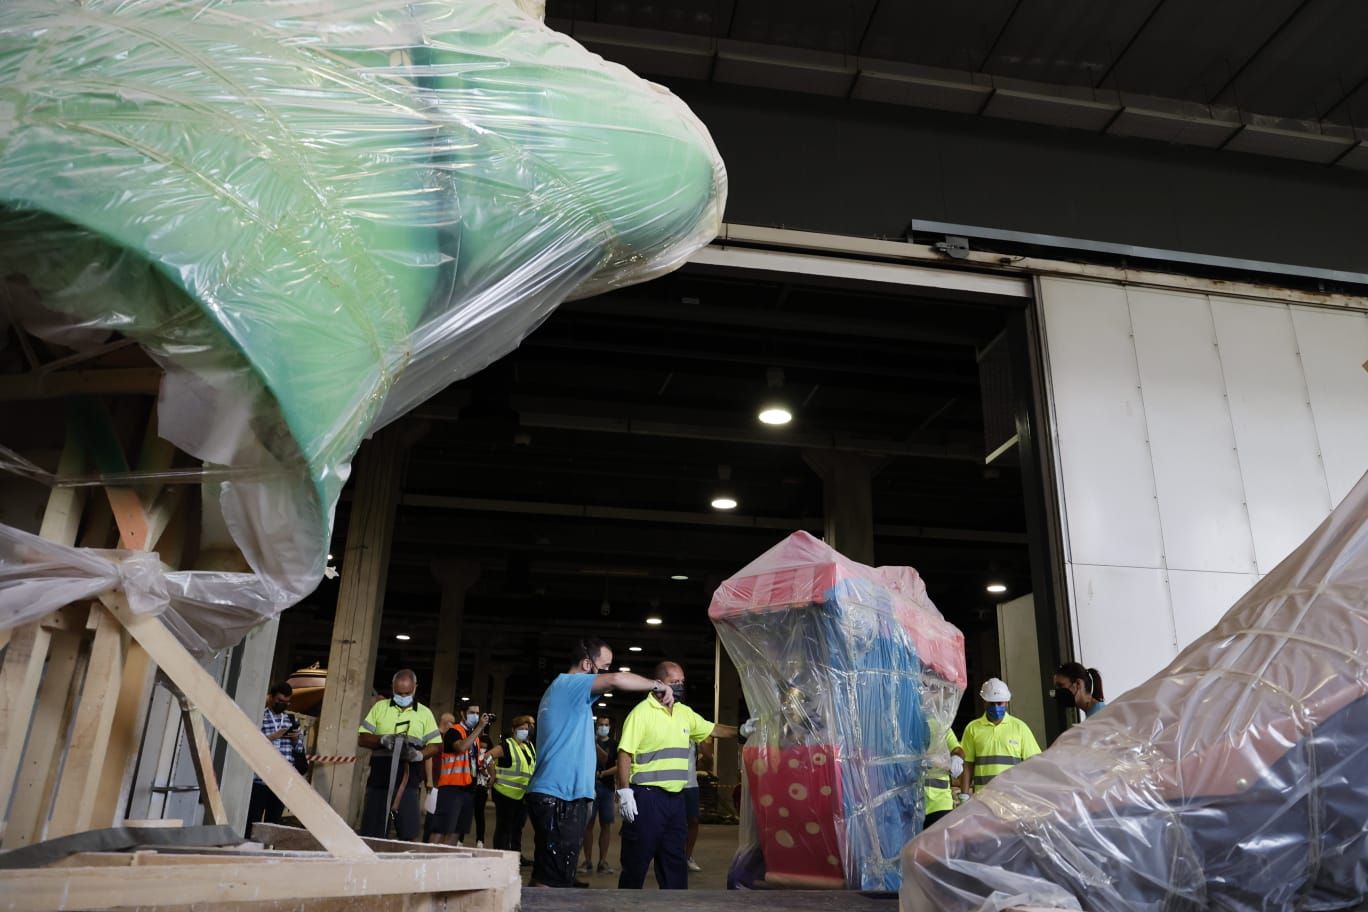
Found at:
<point>479,679</point>
<point>248,678</point>
<point>726,710</point>
<point>496,702</point>
<point>847,496</point>
<point>356,625</point>
<point>456,578</point>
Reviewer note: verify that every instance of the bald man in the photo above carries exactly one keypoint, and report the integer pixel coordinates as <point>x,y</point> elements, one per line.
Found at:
<point>652,772</point>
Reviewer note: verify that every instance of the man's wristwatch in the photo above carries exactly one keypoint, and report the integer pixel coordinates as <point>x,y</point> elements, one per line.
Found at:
<point>658,687</point>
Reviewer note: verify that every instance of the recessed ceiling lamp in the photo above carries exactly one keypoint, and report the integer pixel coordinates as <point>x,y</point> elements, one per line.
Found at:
<point>623,668</point>
<point>402,636</point>
<point>602,704</point>
<point>465,699</point>
<point>607,695</point>
<point>634,649</point>
<point>775,415</point>
<point>724,503</point>
<point>996,588</point>
<point>654,621</point>
<point>724,498</point>
<point>679,576</point>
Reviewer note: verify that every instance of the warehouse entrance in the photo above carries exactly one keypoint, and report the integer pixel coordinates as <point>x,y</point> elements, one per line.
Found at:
<point>632,454</point>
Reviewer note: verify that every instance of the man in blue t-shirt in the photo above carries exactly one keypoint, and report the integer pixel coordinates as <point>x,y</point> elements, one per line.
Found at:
<point>562,788</point>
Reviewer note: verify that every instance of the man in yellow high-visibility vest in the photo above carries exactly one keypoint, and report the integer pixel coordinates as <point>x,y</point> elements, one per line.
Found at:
<point>652,771</point>
<point>995,742</point>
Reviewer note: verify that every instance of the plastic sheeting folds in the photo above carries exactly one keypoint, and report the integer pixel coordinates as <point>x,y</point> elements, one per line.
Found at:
<point>317,213</point>
<point>1235,779</point>
<point>847,670</point>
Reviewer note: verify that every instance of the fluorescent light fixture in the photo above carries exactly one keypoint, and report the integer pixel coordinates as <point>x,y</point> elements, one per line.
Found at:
<point>775,415</point>
<point>997,588</point>
<point>654,621</point>
<point>402,636</point>
<point>679,577</point>
<point>724,503</point>
<point>634,649</point>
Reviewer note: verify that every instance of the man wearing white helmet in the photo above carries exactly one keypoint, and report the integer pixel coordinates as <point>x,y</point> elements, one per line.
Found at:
<point>995,742</point>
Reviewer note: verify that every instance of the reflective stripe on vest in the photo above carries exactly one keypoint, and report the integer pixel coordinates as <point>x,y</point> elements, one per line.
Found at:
<point>455,768</point>
<point>513,779</point>
<point>658,767</point>
<point>988,768</point>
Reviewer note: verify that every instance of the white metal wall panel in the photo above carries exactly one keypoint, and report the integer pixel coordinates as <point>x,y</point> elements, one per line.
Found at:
<point>1275,434</point>
<point>1200,599</point>
<point>1197,473</point>
<point>1100,426</point>
<point>1199,439</point>
<point>1125,628</point>
<point>1334,350</point>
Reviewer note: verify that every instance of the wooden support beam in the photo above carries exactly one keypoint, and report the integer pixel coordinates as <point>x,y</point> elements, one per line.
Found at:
<point>89,741</point>
<point>51,715</point>
<point>242,733</point>
<point>130,714</point>
<point>203,759</point>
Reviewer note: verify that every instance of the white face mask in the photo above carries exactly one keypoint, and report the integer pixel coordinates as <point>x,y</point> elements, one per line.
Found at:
<point>472,720</point>
<point>521,734</point>
<point>603,731</point>
<point>403,700</point>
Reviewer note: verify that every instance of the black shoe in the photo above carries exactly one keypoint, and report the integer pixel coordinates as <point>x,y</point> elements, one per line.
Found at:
<point>523,862</point>
<point>581,883</point>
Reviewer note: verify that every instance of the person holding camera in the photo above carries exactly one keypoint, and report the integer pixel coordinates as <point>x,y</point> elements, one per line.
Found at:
<point>281,729</point>
<point>460,759</point>
<point>399,732</point>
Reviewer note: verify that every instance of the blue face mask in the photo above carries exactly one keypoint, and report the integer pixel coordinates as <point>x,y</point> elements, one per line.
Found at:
<point>403,700</point>
<point>603,731</point>
<point>472,720</point>
<point>996,713</point>
<point>521,734</point>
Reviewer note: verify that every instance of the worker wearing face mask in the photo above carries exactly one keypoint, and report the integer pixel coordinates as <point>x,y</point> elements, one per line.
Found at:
<point>282,730</point>
<point>400,733</point>
<point>512,764</point>
<point>652,771</point>
<point>995,742</point>
<point>1080,688</point>
<point>456,778</point>
<point>605,752</point>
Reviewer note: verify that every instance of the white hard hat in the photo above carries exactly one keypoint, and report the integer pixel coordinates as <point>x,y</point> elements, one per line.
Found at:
<point>995,690</point>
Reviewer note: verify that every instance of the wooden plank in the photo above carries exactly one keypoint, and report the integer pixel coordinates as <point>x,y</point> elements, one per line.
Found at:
<point>280,837</point>
<point>130,714</point>
<point>151,885</point>
<point>52,713</point>
<point>243,734</point>
<point>19,677</point>
<point>89,741</point>
<point>203,760</point>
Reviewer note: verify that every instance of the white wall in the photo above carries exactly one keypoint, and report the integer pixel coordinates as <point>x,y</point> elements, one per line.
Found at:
<point>1198,439</point>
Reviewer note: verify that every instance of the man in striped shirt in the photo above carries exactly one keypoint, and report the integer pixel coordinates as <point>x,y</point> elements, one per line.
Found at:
<point>282,730</point>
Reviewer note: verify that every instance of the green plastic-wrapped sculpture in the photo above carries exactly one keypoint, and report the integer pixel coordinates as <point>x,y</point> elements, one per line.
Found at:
<point>318,213</point>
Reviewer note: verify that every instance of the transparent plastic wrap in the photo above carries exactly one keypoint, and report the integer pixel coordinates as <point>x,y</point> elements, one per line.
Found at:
<point>847,670</point>
<point>1236,778</point>
<point>315,214</point>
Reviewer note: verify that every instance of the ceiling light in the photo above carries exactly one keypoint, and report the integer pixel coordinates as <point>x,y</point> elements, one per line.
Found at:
<point>330,557</point>
<point>654,621</point>
<point>623,668</point>
<point>465,699</point>
<point>679,576</point>
<point>724,503</point>
<point>634,649</point>
<point>601,703</point>
<point>996,588</point>
<point>402,636</point>
<point>607,695</point>
<point>775,415</point>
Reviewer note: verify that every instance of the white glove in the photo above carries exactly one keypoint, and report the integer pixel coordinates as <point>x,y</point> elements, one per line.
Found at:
<point>413,754</point>
<point>627,804</point>
<point>388,741</point>
<point>956,766</point>
<point>747,728</point>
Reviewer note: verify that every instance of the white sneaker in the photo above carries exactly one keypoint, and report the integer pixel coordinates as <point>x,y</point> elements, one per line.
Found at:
<point>479,843</point>
<point>693,865</point>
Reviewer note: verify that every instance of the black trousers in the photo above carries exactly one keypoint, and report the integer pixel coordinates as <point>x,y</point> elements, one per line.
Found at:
<point>558,826</point>
<point>659,834</point>
<point>375,814</point>
<point>509,816</point>
<point>477,807</point>
<point>264,803</point>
